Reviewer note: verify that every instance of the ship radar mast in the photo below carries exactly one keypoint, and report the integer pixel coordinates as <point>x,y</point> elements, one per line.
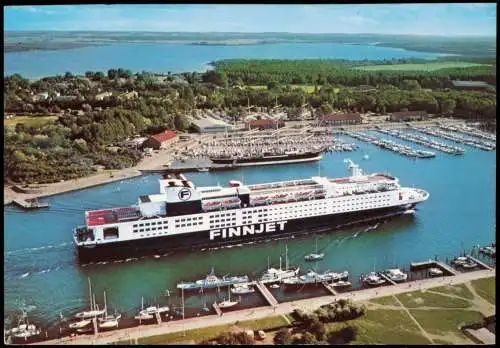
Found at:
<point>355,170</point>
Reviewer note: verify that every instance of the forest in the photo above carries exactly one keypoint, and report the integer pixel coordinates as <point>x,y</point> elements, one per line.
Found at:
<point>79,140</point>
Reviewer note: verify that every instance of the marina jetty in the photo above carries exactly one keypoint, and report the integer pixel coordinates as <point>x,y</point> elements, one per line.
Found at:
<point>134,333</point>
<point>30,204</point>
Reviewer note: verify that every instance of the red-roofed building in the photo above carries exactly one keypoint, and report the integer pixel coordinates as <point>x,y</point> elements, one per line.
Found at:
<point>160,140</point>
<point>264,124</point>
<point>340,119</point>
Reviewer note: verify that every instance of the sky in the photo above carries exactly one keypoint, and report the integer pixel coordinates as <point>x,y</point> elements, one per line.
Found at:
<point>475,19</point>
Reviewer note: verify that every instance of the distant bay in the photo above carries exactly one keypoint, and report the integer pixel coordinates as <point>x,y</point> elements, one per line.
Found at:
<point>161,57</point>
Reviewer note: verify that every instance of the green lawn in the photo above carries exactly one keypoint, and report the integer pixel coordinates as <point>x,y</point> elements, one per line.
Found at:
<point>431,66</point>
<point>385,326</point>
<point>211,332</point>
<point>458,290</point>
<point>440,321</point>
<point>35,121</point>
<point>386,301</point>
<point>427,299</point>
<point>485,288</point>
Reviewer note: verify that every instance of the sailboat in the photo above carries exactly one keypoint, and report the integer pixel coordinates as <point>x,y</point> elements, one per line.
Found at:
<point>143,315</point>
<point>228,303</point>
<point>273,275</point>
<point>24,329</point>
<point>94,310</point>
<point>108,321</point>
<point>314,256</point>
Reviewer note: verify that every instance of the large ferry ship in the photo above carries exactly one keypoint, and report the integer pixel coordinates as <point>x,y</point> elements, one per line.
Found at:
<point>269,158</point>
<point>183,216</point>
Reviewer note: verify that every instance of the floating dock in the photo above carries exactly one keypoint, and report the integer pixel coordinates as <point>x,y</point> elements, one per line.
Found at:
<point>433,263</point>
<point>267,294</point>
<point>30,204</point>
<point>480,263</point>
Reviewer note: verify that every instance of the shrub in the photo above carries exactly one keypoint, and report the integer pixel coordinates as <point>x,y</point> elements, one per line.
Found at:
<point>349,333</point>
<point>283,336</point>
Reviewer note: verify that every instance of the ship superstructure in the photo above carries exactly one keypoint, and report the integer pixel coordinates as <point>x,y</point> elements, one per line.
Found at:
<point>184,216</point>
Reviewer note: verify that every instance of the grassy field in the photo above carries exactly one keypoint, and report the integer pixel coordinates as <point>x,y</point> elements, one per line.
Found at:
<point>386,301</point>
<point>431,66</point>
<point>457,290</point>
<point>442,322</point>
<point>30,120</point>
<point>211,332</point>
<point>385,326</point>
<point>485,288</point>
<point>418,299</point>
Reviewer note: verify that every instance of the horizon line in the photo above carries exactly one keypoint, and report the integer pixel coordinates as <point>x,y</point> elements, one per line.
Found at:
<point>241,32</point>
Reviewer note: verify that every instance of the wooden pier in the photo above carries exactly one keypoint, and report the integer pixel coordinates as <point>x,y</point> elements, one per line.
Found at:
<point>267,294</point>
<point>387,278</point>
<point>422,264</point>
<point>30,204</point>
<point>433,263</point>
<point>480,263</point>
<point>330,289</point>
<point>217,309</point>
<point>447,267</point>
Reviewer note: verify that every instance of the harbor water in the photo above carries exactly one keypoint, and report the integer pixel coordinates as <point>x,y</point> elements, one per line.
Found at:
<point>41,273</point>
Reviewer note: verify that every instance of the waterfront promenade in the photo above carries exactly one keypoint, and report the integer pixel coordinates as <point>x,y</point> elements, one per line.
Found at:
<point>134,333</point>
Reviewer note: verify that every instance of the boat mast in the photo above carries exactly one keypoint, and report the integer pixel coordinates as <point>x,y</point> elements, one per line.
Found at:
<point>286,257</point>
<point>90,294</point>
<point>229,292</point>
<point>280,263</point>
<point>105,306</point>
<point>183,301</point>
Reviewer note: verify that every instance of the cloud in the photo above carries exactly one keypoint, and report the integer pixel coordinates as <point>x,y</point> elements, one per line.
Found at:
<point>357,20</point>
<point>32,9</point>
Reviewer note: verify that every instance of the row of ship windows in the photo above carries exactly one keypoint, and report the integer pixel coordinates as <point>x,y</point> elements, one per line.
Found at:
<point>135,230</point>
<point>189,219</point>
<point>150,223</point>
<point>222,220</point>
<point>189,224</point>
<point>153,234</point>
<point>222,215</point>
<point>223,225</point>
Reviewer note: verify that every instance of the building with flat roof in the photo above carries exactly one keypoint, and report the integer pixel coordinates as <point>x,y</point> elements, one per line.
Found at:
<point>403,116</point>
<point>211,125</point>
<point>340,119</point>
<point>264,124</point>
<point>470,85</point>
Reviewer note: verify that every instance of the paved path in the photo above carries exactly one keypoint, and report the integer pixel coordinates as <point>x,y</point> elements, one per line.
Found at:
<point>424,333</point>
<point>261,312</point>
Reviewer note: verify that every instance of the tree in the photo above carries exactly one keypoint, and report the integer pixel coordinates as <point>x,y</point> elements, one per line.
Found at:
<point>349,333</point>
<point>283,336</point>
<point>318,329</point>
<point>309,338</point>
<point>448,106</point>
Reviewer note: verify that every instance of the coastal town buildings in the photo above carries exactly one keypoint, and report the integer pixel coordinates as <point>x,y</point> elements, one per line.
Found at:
<point>403,116</point>
<point>264,124</point>
<point>160,140</point>
<point>339,119</point>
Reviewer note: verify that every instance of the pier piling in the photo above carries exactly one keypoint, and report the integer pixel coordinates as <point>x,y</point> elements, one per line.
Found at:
<point>158,317</point>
